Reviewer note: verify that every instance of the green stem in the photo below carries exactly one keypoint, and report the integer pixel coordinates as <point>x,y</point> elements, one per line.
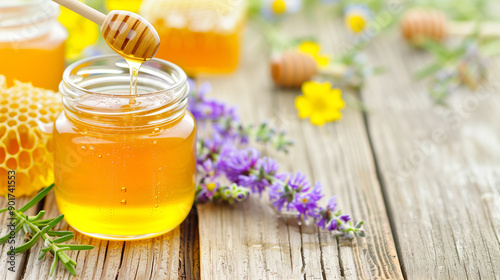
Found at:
<point>45,237</point>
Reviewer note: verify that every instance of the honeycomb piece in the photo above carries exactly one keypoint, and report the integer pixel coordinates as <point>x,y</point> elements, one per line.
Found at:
<point>26,117</point>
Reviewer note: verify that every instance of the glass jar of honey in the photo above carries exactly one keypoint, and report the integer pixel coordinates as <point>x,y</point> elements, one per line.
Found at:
<point>201,36</point>
<point>124,164</point>
<point>32,42</point>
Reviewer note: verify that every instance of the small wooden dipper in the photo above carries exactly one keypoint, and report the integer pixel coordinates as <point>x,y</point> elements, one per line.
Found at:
<point>418,24</point>
<point>129,34</point>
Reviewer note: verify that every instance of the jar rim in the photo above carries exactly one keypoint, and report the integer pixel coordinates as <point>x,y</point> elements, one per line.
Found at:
<point>67,81</point>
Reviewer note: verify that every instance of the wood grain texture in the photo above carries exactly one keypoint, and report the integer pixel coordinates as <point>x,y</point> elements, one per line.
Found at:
<point>439,168</point>
<point>249,240</point>
<point>157,258</point>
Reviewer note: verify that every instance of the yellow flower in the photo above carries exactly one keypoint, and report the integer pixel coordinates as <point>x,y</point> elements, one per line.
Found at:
<point>211,186</point>
<point>320,103</point>
<point>279,6</point>
<point>314,49</point>
<point>127,5</point>
<point>82,32</point>
<point>356,17</point>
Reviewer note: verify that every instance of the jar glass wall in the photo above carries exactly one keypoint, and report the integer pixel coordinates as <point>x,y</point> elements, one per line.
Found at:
<point>124,165</point>
<point>32,42</point>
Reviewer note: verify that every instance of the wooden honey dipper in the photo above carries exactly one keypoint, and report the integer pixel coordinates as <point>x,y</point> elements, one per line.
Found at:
<point>128,34</point>
<point>293,68</point>
<point>418,24</point>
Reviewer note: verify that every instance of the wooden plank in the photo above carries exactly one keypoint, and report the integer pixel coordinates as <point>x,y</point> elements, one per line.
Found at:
<point>249,240</point>
<point>439,168</point>
<point>157,258</point>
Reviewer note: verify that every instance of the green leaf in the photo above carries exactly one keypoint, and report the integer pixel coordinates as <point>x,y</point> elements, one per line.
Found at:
<point>59,233</point>
<point>3,210</point>
<point>70,268</point>
<point>431,69</point>
<point>358,226</point>
<point>37,217</point>
<point>42,254</point>
<point>79,247</point>
<point>54,265</point>
<point>52,224</point>
<point>6,237</point>
<point>436,48</point>
<point>46,249</point>
<point>26,246</point>
<point>64,238</point>
<point>63,257</point>
<point>36,199</point>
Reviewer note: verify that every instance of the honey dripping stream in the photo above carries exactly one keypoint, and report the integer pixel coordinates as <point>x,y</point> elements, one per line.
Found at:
<point>134,67</point>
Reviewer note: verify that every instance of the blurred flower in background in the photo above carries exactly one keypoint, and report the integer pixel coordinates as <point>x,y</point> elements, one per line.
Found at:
<point>127,5</point>
<point>82,32</point>
<point>356,17</point>
<point>320,102</point>
<point>275,8</point>
<point>314,49</point>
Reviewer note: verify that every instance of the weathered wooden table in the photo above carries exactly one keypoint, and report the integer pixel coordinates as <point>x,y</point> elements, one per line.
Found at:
<point>425,179</point>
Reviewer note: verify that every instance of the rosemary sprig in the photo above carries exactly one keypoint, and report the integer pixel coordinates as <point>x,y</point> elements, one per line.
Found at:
<point>35,228</point>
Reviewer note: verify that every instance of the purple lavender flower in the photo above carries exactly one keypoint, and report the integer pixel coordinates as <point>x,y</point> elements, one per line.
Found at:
<point>236,163</point>
<point>325,214</point>
<point>206,191</point>
<point>277,193</point>
<point>306,203</point>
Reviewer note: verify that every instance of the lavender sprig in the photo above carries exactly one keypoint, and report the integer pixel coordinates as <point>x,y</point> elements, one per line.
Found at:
<point>225,156</point>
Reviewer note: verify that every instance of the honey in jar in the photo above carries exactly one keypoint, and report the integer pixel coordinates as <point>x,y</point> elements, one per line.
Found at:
<point>32,43</point>
<point>124,170</point>
<point>201,36</point>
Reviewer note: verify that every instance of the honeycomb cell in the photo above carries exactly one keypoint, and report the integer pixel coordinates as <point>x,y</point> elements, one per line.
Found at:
<point>3,174</point>
<point>12,123</point>
<point>24,160</point>
<point>27,139</point>
<point>11,142</point>
<point>12,164</point>
<point>2,154</point>
<point>22,145</point>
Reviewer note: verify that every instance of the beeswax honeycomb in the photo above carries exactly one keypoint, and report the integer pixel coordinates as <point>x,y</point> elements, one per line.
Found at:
<point>26,117</point>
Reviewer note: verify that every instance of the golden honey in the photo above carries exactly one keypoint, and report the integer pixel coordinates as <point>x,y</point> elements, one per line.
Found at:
<point>201,36</point>
<point>124,171</point>
<point>32,43</point>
